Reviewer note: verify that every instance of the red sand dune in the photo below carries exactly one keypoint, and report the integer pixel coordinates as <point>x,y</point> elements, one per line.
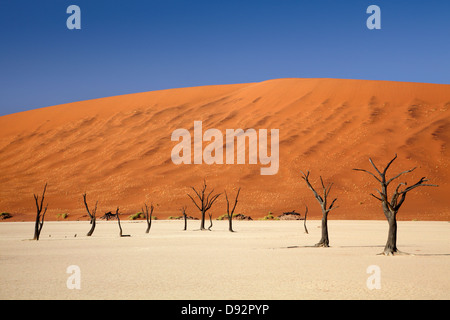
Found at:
<point>118,149</point>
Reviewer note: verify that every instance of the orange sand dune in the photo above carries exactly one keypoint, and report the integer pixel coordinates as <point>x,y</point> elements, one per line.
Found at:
<point>118,149</point>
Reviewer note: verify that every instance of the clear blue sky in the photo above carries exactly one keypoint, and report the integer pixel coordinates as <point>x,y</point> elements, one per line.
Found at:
<point>128,46</point>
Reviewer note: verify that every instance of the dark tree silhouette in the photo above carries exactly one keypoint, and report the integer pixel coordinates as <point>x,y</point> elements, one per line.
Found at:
<point>210,221</point>
<point>91,215</point>
<point>391,207</point>
<point>286,214</point>
<point>323,201</point>
<point>148,216</point>
<point>39,214</point>
<point>230,213</point>
<point>120,227</point>
<point>183,211</point>
<point>304,219</point>
<point>108,216</point>
<point>206,201</point>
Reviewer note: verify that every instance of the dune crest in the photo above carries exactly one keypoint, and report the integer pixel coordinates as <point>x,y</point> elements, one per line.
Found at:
<point>118,149</point>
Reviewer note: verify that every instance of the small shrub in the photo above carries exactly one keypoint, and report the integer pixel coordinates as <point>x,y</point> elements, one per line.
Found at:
<point>62,215</point>
<point>269,217</point>
<point>138,215</point>
<point>222,217</point>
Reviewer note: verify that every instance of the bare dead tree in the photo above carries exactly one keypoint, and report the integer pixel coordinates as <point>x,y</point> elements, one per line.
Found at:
<point>183,211</point>
<point>304,219</point>
<point>39,214</point>
<point>297,216</point>
<point>91,215</point>
<point>210,221</point>
<point>108,216</point>
<point>323,201</point>
<point>230,213</point>
<point>148,216</point>
<point>206,201</point>
<point>120,227</point>
<point>392,206</point>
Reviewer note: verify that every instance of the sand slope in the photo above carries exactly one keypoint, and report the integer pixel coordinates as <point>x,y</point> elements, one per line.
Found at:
<point>118,149</point>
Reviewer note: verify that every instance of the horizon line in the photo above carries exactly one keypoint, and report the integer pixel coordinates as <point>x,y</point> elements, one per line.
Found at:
<point>219,84</point>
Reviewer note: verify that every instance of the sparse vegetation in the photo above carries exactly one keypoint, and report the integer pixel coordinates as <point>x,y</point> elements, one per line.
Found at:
<point>203,200</point>
<point>137,215</point>
<point>5,215</point>
<point>236,216</point>
<point>62,215</point>
<point>269,217</point>
<point>222,217</point>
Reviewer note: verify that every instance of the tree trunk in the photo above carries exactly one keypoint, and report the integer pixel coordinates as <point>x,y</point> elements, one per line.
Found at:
<point>202,225</point>
<point>391,244</point>
<point>230,224</point>
<point>149,224</point>
<point>304,225</point>
<point>324,242</point>
<point>120,227</point>
<point>38,226</point>
<point>36,229</point>
<point>92,228</point>
<point>210,222</point>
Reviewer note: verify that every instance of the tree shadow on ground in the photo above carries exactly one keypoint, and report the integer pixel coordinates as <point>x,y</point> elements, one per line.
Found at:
<point>369,246</point>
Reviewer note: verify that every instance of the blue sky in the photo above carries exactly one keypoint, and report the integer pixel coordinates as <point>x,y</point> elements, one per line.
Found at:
<point>134,46</point>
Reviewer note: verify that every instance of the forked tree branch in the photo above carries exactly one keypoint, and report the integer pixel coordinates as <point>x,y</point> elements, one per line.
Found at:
<point>39,214</point>
<point>395,204</point>
<point>206,201</point>
<point>326,191</point>
<point>306,178</point>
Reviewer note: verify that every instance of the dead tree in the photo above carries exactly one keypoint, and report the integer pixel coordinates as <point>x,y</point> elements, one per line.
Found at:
<point>120,227</point>
<point>323,201</point>
<point>230,213</point>
<point>148,216</point>
<point>108,216</point>
<point>391,207</point>
<point>183,211</point>
<point>91,215</point>
<point>304,220</point>
<point>295,216</point>
<point>206,201</point>
<point>39,214</point>
<point>210,221</point>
